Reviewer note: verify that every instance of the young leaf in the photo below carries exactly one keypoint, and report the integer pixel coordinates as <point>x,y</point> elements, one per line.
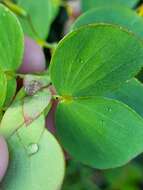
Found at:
<point>131,93</point>
<point>3,88</point>
<point>100,132</point>
<point>40,13</point>
<point>36,158</point>
<point>25,110</point>
<point>34,105</point>
<point>118,15</point>
<point>100,59</point>
<point>11,40</point>
<point>12,119</point>
<point>86,5</point>
<point>33,83</point>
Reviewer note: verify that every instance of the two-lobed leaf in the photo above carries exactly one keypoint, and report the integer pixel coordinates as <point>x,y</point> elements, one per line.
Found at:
<point>94,129</point>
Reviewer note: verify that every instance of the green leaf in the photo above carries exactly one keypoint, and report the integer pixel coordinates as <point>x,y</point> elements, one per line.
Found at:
<point>11,40</point>
<point>100,59</point>
<point>55,7</point>
<point>34,105</point>
<point>36,158</point>
<point>99,132</point>
<point>20,94</point>
<point>11,90</point>
<point>86,5</point>
<point>3,87</point>
<point>118,15</point>
<point>25,110</point>
<point>1,114</point>
<point>12,119</point>
<point>33,83</point>
<point>40,13</point>
<point>131,93</point>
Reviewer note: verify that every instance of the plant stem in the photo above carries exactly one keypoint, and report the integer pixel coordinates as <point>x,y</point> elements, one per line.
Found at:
<point>15,8</point>
<point>45,44</point>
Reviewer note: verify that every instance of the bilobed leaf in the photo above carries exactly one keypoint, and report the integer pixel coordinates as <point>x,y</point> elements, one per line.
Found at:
<point>86,5</point>
<point>36,158</point>
<point>131,93</point>
<point>100,132</point>
<point>11,40</point>
<point>100,59</point>
<point>3,88</point>
<point>40,17</point>
<point>118,15</point>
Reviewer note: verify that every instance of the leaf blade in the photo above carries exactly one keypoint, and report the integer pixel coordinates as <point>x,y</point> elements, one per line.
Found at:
<point>11,40</point>
<point>26,155</point>
<point>106,139</point>
<point>93,65</point>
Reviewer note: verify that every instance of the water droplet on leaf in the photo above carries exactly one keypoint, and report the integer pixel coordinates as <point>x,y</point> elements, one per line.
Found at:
<point>109,109</point>
<point>102,123</point>
<point>80,60</point>
<point>127,81</point>
<point>33,149</point>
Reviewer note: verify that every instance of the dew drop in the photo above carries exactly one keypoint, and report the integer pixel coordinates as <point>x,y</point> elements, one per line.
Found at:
<point>33,149</point>
<point>127,81</point>
<point>80,60</point>
<point>102,123</point>
<point>3,14</point>
<point>109,109</point>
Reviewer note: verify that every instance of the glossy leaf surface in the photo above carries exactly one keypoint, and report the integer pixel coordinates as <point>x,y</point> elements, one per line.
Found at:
<point>100,59</point>
<point>131,93</point>
<point>100,132</point>
<point>11,40</point>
